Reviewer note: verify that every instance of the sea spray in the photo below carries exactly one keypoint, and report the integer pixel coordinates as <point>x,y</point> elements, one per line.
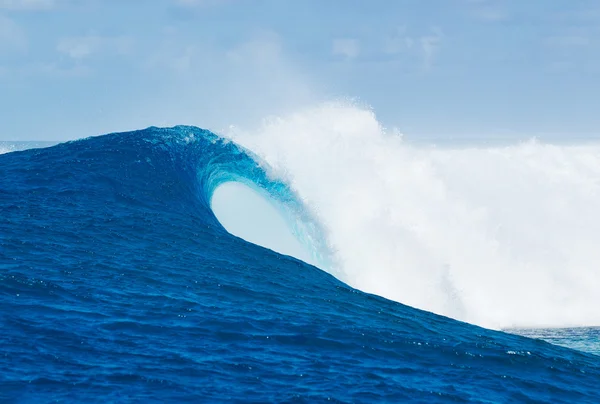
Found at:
<point>499,236</point>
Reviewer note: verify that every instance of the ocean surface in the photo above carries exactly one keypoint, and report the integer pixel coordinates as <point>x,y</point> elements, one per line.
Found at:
<point>119,284</point>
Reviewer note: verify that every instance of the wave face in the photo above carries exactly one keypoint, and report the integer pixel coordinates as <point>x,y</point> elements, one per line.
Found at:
<point>500,236</point>
<point>117,283</point>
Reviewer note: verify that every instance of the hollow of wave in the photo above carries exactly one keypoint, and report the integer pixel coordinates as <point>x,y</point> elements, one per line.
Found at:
<point>118,283</point>
<point>253,216</point>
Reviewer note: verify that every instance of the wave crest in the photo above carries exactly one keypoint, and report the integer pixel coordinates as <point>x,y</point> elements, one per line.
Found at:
<point>498,236</point>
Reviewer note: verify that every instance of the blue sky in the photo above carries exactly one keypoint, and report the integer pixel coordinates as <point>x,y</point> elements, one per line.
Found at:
<point>73,68</point>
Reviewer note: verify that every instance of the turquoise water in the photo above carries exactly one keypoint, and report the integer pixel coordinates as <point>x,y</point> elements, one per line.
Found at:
<point>585,339</point>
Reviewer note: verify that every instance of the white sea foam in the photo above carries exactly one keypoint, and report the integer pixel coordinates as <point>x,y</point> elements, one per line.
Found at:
<point>5,148</point>
<point>497,236</point>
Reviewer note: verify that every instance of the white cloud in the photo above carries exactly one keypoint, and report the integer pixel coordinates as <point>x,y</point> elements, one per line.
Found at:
<point>214,86</point>
<point>398,42</point>
<point>562,66</point>
<point>263,49</point>
<point>27,5</point>
<point>183,62</point>
<point>424,47</point>
<point>578,15</point>
<point>490,14</point>
<point>348,47</point>
<point>429,47</point>
<point>44,69</point>
<point>487,10</point>
<point>12,36</point>
<point>199,3</point>
<point>52,69</point>
<point>79,48</point>
<point>569,41</point>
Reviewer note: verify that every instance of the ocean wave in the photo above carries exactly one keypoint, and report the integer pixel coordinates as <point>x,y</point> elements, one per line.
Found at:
<point>117,282</point>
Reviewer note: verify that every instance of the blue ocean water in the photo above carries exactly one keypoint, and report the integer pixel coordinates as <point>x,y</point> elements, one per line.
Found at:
<point>118,284</point>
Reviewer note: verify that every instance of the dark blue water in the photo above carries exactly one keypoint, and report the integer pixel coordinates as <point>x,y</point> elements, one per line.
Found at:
<point>118,284</point>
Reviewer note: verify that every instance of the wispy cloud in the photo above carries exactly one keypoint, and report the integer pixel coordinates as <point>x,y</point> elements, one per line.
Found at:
<point>423,46</point>
<point>347,47</point>
<point>199,3</point>
<point>429,47</point>
<point>569,41</point>
<point>578,15</point>
<point>44,70</point>
<point>254,77</point>
<point>487,10</point>
<point>573,49</point>
<point>12,37</point>
<point>490,14</point>
<point>53,69</point>
<point>398,42</point>
<point>27,5</point>
<point>80,48</point>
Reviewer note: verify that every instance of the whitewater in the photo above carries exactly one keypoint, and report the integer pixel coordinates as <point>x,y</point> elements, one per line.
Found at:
<point>500,236</point>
